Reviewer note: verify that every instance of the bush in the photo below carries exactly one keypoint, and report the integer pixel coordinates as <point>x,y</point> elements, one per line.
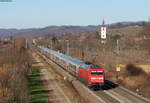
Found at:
<point>133,70</point>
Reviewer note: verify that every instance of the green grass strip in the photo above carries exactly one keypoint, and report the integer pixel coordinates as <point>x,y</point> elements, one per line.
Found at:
<point>37,92</point>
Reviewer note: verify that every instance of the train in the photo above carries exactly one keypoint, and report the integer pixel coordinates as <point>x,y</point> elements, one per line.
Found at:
<point>90,74</point>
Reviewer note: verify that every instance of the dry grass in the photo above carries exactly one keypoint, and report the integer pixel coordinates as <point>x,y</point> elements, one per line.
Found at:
<point>132,77</point>
<point>145,67</point>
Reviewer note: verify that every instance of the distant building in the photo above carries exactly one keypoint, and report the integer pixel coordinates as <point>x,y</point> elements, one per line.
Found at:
<point>5,40</point>
<point>103,32</point>
<point>81,37</point>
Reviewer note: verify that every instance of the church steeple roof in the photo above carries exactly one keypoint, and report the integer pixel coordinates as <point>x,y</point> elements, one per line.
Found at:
<point>103,24</point>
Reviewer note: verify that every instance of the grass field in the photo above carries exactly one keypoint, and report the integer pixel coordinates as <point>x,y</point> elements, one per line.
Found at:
<point>37,92</point>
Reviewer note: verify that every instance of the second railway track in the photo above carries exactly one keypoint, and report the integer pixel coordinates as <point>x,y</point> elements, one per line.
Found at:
<point>120,94</point>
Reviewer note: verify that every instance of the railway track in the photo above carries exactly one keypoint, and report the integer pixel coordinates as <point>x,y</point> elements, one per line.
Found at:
<point>113,93</point>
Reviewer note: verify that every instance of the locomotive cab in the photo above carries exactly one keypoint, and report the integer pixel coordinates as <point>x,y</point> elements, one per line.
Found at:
<point>96,76</point>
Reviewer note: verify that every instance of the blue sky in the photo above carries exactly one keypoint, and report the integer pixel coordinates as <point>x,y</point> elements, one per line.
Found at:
<point>41,13</point>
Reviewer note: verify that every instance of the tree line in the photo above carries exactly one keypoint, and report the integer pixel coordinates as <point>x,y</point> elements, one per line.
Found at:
<point>15,66</point>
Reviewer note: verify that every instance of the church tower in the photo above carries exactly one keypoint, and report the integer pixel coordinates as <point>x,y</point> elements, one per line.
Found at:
<point>103,31</point>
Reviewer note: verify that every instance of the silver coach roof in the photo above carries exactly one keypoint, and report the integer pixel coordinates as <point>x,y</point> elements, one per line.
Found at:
<point>66,58</point>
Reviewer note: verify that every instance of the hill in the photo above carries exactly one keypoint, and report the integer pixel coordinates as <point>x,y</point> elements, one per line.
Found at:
<point>60,30</point>
<point>50,30</point>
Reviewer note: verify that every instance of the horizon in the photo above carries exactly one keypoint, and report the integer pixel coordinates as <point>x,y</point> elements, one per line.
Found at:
<point>72,25</point>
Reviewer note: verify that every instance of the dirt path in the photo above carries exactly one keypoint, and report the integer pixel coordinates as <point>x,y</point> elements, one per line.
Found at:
<point>55,94</point>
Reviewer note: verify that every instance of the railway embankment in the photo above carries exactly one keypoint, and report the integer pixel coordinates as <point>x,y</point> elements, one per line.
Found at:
<point>52,91</point>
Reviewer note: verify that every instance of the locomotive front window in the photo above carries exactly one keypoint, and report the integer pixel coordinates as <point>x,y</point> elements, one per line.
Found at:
<point>96,72</point>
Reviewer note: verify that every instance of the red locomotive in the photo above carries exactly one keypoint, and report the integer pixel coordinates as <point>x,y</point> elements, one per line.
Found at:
<point>91,74</point>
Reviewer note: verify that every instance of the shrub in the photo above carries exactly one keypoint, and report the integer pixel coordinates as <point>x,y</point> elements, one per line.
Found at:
<point>133,70</point>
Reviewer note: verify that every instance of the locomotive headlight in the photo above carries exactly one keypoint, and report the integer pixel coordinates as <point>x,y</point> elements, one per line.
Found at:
<point>101,78</point>
<point>93,78</point>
